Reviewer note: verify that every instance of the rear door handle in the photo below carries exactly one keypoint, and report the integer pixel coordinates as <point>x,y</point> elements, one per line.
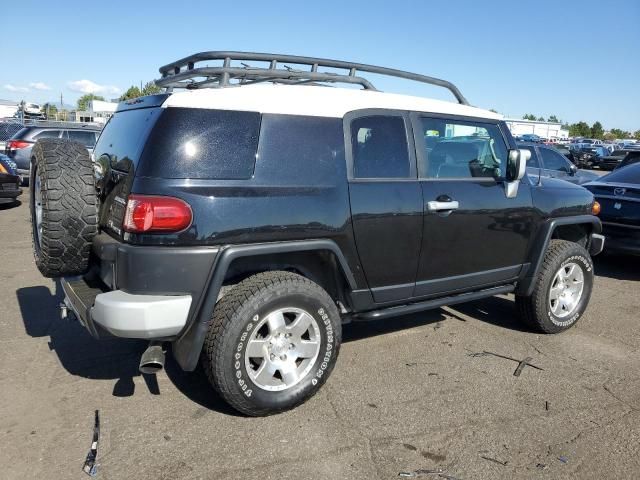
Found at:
<point>435,206</point>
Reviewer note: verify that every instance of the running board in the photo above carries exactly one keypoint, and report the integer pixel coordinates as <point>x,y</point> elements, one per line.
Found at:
<point>429,304</point>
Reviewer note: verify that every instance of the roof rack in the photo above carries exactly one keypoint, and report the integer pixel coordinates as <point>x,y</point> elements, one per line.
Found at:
<point>185,74</point>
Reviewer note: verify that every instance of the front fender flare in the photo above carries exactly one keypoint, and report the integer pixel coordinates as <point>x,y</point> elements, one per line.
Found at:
<point>527,283</point>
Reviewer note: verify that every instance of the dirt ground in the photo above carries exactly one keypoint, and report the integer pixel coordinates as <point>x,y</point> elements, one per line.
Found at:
<point>408,395</point>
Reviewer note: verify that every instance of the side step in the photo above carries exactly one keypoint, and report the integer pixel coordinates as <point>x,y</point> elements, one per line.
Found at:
<point>429,304</point>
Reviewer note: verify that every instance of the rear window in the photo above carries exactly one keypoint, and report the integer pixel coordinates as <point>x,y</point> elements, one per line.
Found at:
<point>629,174</point>
<point>202,143</point>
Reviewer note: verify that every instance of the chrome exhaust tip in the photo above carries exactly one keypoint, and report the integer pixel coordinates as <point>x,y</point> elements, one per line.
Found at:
<point>152,360</point>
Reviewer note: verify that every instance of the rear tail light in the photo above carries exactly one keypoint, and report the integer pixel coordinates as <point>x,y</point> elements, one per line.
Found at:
<point>150,213</point>
<point>17,144</point>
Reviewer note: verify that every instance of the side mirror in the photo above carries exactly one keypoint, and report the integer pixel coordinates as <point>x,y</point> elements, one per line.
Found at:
<point>516,169</point>
<point>573,169</point>
<point>517,164</point>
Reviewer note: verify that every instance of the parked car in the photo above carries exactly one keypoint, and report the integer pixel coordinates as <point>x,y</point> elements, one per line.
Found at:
<point>619,196</point>
<point>20,145</point>
<point>530,137</point>
<point>9,181</point>
<point>245,225</point>
<point>7,130</point>
<point>589,157</point>
<point>564,150</point>
<point>629,159</point>
<point>547,161</point>
<point>610,162</point>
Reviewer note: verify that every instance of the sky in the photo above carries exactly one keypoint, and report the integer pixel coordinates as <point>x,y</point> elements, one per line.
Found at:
<point>578,60</point>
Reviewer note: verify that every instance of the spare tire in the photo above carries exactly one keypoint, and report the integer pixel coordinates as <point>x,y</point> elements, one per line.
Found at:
<point>63,206</point>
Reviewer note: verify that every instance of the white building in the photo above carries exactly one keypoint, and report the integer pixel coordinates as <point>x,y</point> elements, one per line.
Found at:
<point>99,112</point>
<point>547,130</point>
<point>8,108</point>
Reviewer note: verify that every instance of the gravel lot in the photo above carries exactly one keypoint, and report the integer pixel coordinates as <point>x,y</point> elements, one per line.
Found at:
<point>407,394</point>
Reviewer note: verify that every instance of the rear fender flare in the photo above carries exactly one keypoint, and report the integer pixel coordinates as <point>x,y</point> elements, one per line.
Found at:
<point>186,349</point>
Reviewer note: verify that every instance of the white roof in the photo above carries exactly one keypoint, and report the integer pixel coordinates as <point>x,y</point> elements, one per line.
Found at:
<point>313,101</point>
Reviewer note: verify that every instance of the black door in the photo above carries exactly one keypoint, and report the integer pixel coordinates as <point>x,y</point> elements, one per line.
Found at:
<point>386,201</point>
<point>473,236</point>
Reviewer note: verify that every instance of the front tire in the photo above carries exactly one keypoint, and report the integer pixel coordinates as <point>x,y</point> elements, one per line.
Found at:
<point>562,289</point>
<point>272,342</point>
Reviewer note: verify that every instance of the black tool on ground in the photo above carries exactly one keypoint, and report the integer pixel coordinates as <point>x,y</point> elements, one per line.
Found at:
<point>521,363</point>
<point>90,467</point>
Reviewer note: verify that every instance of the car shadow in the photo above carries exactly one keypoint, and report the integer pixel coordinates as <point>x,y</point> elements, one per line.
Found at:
<point>10,205</point>
<point>499,311</point>
<point>619,267</point>
<point>117,359</point>
<point>108,358</point>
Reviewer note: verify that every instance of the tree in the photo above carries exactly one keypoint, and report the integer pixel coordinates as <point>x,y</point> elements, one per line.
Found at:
<point>49,110</point>
<point>609,136</point>
<point>580,129</point>
<point>541,119</point>
<point>553,119</point>
<point>150,88</point>
<point>619,134</point>
<point>597,131</point>
<point>529,116</point>
<point>636,134</point>
<point>83,101</point>
<point>132,92</point>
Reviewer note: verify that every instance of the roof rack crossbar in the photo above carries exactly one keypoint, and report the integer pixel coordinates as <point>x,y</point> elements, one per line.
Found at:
<point>182,73</point>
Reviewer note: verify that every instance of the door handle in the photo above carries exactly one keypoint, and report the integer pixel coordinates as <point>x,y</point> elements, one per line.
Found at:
<point>435,206</point>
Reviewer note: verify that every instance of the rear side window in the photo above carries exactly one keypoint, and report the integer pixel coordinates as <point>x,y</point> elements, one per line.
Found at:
<point>88,139</point>
<point>202,143</point>
<point>379,147</point>
<point>47,134</point>
<point>123,138</point>
<point>629,174</point>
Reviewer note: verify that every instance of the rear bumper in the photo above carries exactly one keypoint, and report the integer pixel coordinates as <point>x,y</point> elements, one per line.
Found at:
<point>125,315</point>
<point>622,238</point>
<point>9,188</point>
<point>149,292</point>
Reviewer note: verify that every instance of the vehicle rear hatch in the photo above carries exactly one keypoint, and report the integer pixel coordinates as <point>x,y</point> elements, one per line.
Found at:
<point>620,202</point>
<point>118,151</point>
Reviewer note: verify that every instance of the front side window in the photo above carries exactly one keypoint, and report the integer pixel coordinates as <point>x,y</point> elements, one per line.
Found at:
<point>379,147</point>
<point>461,149</point>
<point>553,160</point>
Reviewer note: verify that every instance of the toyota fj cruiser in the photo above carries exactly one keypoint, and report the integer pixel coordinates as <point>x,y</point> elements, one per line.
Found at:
<point>246,217</point>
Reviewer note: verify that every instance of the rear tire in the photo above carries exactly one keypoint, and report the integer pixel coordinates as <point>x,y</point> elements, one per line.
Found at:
<point>272,342</point>
<point>562,289</point>
<point>63,207</point>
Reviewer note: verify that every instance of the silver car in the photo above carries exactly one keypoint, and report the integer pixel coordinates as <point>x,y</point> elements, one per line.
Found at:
<point>18,147</point>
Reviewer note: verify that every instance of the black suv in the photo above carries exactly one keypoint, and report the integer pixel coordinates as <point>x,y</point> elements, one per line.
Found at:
<point>244,226</point>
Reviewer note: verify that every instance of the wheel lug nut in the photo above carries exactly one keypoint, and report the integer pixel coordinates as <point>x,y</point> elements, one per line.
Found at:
<point>291,346</point>
<point>288,335</point>
<point>283,357</point>
<point>272,356</point>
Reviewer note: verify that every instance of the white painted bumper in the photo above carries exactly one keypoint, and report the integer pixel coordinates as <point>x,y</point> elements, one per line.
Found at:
<point>141,316</point>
